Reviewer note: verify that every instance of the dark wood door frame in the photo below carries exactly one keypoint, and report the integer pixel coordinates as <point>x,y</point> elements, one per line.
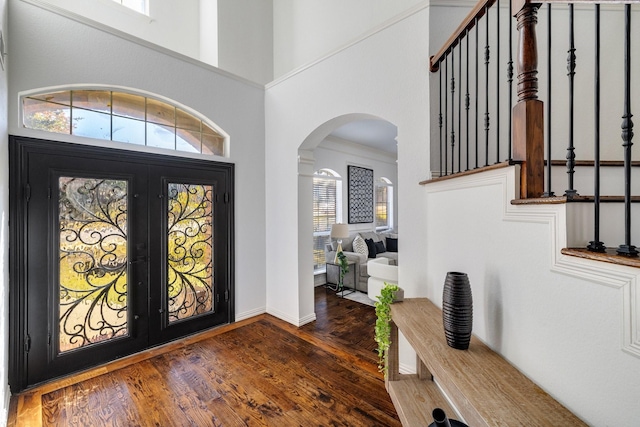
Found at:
<point>20,149</point>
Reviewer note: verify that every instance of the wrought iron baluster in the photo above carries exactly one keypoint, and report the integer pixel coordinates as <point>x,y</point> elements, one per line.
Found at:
<point>486,90</point>
<point>510,81</point>
<point>627,248</point>
<point>497,81</point>
<point>466,98</point>
<point>440,115</point>
<point>453,110</point>
<point>596,245</point>
<point>459,104</point>
<point>549,193</point>
<point>571,67</point>
<point>446,97</point>
<point>477,88</point>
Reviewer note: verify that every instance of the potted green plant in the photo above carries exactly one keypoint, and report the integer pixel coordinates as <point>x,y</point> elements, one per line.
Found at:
<point>383,323</point>
<point>343,262</point>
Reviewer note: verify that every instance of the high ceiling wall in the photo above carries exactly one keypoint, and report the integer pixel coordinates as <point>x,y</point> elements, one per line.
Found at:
<point>263,40</point>
<point>259,40</point>
<point>305,30</point>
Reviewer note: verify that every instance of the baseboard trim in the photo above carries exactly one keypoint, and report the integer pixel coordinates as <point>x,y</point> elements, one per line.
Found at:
<point>251,313</point>
<point>294,321</point>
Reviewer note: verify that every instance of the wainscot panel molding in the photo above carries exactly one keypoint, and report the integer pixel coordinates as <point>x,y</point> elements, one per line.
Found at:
<point>615,276</point>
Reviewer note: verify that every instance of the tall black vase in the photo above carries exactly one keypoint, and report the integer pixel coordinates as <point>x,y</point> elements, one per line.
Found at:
<point>457,310</point>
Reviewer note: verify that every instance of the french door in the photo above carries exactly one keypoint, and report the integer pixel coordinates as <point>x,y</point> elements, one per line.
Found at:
<point>113,252</point>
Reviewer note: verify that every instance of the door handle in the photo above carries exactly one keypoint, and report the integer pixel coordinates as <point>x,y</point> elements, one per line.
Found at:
<point>138,260</point>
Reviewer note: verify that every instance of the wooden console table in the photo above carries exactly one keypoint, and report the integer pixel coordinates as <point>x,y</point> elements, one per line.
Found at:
<point>484,387</point>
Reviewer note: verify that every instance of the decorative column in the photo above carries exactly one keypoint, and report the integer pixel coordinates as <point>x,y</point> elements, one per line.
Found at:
<point>528,113</point>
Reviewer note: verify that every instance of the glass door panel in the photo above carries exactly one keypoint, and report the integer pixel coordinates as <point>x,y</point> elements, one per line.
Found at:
<point>92,279</point>
<point>189,251</point>
<point>190,258</point>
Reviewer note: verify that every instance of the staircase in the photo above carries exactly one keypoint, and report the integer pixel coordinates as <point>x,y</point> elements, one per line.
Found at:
<point>486,118</point>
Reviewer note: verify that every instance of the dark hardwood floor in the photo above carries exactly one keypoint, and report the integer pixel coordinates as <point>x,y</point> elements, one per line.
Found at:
<point>258,372</point>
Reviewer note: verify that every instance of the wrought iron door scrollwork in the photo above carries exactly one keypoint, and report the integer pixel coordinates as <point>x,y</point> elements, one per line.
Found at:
<point>92,215</point>
<point>190,250</point>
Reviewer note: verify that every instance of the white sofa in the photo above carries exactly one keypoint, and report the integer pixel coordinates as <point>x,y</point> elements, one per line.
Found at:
<point>380,272</point>
<point>362,275</point>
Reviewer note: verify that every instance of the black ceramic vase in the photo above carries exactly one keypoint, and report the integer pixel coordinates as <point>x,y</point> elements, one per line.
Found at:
<point>440,419</point>
<point>457,310</point>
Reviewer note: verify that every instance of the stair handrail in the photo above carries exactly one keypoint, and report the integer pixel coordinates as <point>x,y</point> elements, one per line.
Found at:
<point>467,24</point>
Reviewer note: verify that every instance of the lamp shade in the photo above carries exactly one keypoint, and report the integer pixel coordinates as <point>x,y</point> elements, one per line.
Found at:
<point>339,231</point>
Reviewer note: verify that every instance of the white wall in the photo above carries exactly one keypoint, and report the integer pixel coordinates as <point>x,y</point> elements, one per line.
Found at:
<point>82,54</point>
<point>305,30</point>
<point>4,231</point>
<point>336,154</point>
<point>532,304</point>
<point>245,38</point>
<point>381,76</point>
<point>173,25</point>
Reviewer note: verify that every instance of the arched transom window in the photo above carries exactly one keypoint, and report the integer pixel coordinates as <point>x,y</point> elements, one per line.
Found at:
<point>123,117</point>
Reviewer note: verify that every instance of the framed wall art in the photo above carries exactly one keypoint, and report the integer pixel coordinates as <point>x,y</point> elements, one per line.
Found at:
<point>360,194</point>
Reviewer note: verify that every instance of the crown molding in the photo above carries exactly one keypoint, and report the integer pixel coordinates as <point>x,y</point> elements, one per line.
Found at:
<point>375,30</point>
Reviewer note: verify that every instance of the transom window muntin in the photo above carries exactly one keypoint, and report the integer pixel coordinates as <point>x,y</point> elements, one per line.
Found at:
<point>122,117</point>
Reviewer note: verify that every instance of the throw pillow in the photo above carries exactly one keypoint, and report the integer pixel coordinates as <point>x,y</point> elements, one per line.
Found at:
<point>392,244</point>
<point>370,235</point>
<point>360,246</point>
<point>372,247</point>
<point>380,247</point>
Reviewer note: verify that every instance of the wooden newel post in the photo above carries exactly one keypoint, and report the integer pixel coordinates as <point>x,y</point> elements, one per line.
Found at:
<point>528,113</point>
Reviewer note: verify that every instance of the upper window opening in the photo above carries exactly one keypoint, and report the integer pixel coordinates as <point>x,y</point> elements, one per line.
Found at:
<point>327,210</point>
<point>327,173</point>
<point>122,117</point>
<point>137,5</point>
<point>384,204</point>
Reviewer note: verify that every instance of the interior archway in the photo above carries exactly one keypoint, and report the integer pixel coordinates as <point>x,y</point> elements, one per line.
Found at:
<point>306,168</point>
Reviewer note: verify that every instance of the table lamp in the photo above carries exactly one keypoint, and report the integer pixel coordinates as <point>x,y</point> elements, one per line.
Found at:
<point>339,232</point>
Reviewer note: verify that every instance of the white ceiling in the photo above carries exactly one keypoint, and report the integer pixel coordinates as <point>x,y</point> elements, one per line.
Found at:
<point>378,134</point>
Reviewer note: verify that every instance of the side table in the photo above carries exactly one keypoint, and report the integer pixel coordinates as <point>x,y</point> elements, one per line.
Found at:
<point>348,281</point>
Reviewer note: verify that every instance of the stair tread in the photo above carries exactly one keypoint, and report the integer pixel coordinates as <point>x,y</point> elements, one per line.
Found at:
<point>574,199</point>
<point>609,256</point>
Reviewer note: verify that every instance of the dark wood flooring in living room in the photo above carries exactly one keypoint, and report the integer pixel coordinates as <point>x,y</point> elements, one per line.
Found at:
<point>258,372</point>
